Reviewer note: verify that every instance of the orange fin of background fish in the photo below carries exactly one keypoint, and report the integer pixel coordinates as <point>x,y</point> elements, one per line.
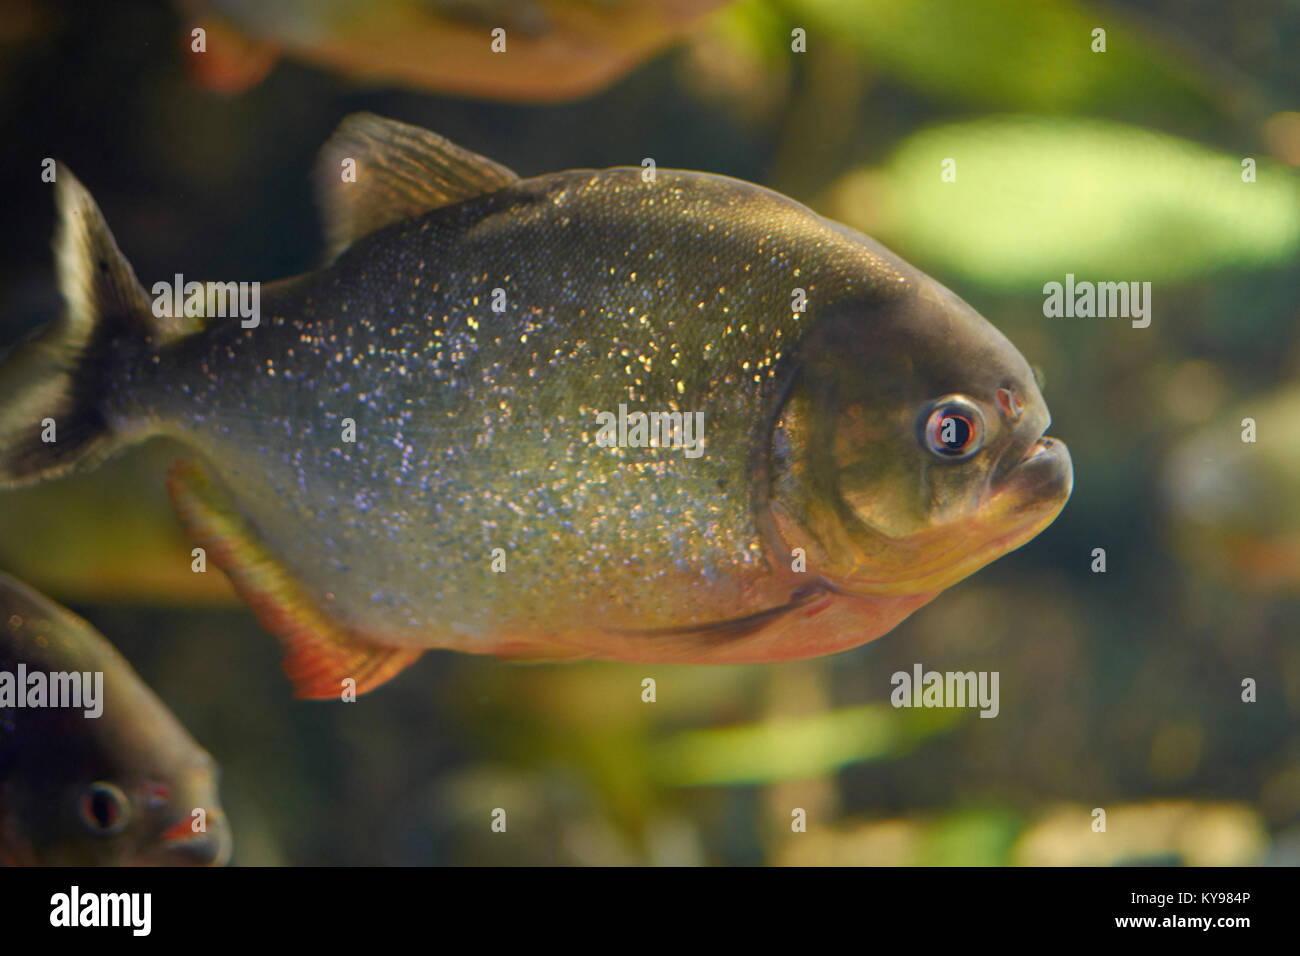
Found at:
<point>231,62</point>
<point>572,49</point>
<point>320,654</point>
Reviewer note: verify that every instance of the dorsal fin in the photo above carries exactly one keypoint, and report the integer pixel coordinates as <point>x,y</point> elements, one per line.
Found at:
<point>401,172</point>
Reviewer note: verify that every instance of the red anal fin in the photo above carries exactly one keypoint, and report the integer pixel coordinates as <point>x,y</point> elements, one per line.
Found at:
<point>320,653</point>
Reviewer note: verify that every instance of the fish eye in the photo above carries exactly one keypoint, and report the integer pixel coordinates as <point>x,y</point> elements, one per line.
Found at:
<point>105,809</point>
<point>954,428</point>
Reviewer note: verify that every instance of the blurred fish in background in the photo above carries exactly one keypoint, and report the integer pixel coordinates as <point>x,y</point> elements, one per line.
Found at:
<point>1233,492</point>
<point>106,779</point>
<point>557,49</point>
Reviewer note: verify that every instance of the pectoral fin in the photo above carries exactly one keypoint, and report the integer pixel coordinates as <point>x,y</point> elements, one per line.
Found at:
<point>320,653</point>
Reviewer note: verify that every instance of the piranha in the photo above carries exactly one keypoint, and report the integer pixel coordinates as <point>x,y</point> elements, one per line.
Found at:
<point>513,50</point>
<point>108,779</point>
<point>414,447</point>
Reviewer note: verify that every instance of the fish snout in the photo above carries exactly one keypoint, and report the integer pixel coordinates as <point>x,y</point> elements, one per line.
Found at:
<point>1041,477</point>
<point>181,845</point>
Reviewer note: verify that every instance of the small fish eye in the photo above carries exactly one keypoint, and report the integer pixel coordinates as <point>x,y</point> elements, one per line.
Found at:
<point>954,429</point>
<point>105,809</point>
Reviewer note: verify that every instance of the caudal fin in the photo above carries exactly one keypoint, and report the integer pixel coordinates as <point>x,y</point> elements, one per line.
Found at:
<point>52,385</point>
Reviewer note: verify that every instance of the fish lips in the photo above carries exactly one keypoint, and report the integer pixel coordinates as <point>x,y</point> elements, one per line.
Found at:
<point>179,845</point>
<point>1042,477</point>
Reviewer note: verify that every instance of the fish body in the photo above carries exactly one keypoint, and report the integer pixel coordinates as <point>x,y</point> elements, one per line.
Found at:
<point>76,789</point>
<point>513,50</point>
<point>406,450</point>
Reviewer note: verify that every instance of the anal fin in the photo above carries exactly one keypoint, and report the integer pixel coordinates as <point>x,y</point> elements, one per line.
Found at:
<point>320,653</point>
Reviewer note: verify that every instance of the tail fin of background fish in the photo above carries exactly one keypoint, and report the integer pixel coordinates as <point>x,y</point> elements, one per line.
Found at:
<point>52,384</point>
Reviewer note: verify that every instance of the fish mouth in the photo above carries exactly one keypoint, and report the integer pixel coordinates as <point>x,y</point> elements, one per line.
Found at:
<point>179,845</point>
<point>1041,447</point>
<point>1034,486</point>
<point>1043,476</point>
<point>1026,500</point>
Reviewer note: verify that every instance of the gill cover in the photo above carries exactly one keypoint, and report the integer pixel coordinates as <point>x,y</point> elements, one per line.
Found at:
<point>892,456</point>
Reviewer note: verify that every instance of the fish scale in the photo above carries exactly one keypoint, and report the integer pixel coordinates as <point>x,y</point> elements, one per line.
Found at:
<point>816,516</point>
<point>134,753</point>
<point>475,430</point>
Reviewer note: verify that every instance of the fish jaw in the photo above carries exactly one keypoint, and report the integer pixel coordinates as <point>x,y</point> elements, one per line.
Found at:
<point>175,841</point>
<point>867,564</point>
<point>180,845</point>
<point>1014,511</point>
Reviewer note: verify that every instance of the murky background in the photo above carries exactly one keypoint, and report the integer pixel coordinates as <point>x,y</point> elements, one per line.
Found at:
<point>1120,690</point>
